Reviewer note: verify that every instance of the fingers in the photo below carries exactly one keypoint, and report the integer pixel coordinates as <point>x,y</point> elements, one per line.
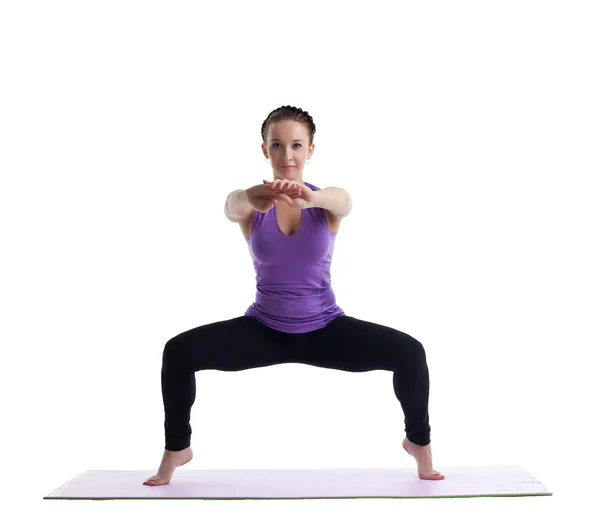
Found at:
<point>292,190</point>
<point>282,184</point>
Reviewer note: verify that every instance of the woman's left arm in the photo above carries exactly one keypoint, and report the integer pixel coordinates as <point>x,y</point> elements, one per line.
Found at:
<point>335,199</point>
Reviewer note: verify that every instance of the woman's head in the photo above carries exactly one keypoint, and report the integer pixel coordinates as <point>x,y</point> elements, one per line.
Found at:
<point>287,135</point>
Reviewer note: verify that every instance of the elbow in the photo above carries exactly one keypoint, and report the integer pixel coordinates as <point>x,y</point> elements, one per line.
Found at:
<point>348,207</point>
<point>227,215</point>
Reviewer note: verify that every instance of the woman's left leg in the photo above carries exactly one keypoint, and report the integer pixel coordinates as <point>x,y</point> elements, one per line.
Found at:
<point>354,345</point>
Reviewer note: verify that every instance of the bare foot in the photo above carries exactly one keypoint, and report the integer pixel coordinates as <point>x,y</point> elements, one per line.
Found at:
<point>170,461</point>
<point>423,456</point>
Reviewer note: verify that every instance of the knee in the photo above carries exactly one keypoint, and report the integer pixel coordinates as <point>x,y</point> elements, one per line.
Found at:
<point>172,353</point>
<point>418,355</point>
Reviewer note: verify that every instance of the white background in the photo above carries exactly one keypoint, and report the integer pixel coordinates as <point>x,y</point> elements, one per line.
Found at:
<point>467,135</point>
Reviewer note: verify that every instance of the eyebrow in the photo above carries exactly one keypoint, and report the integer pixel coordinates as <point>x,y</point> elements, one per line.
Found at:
<point>278,140</point>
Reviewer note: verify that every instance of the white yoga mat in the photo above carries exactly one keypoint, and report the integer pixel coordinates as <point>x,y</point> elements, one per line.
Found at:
<point>303,484</point>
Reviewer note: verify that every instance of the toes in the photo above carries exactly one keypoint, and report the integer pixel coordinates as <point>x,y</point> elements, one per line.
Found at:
<point>432,475</point>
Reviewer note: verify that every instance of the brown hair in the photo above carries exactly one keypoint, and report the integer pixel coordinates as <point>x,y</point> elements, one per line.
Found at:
<point>287,112</point>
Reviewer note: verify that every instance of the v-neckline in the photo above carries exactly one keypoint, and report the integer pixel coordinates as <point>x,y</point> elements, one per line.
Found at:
<point>299,226</point>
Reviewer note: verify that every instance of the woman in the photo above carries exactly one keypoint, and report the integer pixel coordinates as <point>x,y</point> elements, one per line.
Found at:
<point>290,227</point>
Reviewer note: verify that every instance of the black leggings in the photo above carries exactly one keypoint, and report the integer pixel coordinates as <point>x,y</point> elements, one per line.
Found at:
<point>346,343</point>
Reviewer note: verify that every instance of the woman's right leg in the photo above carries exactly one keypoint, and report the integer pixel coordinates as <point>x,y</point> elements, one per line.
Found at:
<point>236,344</point>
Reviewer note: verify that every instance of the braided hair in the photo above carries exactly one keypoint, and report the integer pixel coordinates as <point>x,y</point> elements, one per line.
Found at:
<point>287,112</point>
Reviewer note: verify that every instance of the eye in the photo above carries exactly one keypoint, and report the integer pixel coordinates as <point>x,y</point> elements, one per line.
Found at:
<point>299,144</point>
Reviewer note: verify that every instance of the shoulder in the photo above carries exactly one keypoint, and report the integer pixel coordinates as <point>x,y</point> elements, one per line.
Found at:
<point>246,224</point>
<point>333,221</point>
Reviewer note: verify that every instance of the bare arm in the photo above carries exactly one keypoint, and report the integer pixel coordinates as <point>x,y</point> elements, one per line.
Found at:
<point>237,207</point>
<point>335,199</point>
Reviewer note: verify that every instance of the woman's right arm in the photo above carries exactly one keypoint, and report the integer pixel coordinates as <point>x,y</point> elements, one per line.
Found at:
<point>237,207</point>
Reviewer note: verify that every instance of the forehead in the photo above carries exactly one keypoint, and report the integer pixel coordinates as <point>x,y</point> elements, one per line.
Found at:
<point>288,130</point>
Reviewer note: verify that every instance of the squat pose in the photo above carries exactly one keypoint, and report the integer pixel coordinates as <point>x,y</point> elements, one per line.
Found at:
<point>290,228</point>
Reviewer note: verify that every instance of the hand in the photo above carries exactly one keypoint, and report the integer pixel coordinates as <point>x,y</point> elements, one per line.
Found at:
<point>295,194</point>
<point>263,197</point>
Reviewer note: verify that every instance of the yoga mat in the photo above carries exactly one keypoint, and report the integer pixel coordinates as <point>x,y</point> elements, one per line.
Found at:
<point>460,482</point>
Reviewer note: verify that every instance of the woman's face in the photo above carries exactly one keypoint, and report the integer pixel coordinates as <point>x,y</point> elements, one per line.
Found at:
<point>287,144</point>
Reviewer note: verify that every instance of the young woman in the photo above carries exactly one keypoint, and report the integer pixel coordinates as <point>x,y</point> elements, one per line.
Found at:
<point>290,227</point>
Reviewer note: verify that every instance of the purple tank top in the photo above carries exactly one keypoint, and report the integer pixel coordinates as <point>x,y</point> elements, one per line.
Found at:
<point>293,282</point>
